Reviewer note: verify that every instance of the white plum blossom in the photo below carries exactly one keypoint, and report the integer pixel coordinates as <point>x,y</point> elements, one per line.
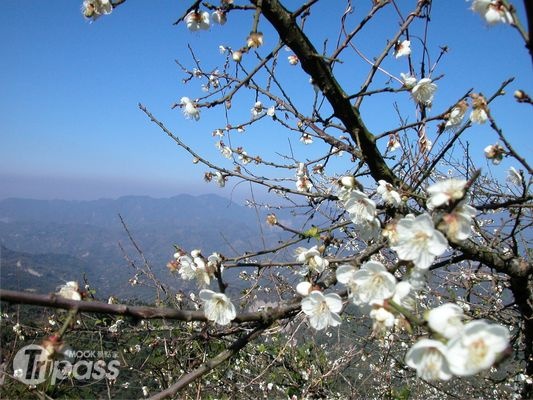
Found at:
<point>224,150</point>
<point>301,169</point>
<point>394,143</point>
<point>388,194</point>
<point>428,357</point>
<point>347,182</point>
<point>217,307</point>
<point>220,178</point>
<point>96,8</point>
<point>402,49</point>
<point>189,109</point>
<point>304,288</point>
<point>480,109</point>
<point>423,92</point>
<point>409,81</point>
<point>257,109</point>
<point>446,320</point>
<point>197,20</point>
<point>213,79</point>
<point>255,39</point>
<point>236,55</point>
<point>70,290</point>
<point>456,115</point>
<point>306,138</point>
<point>382,319</point>
<point>494,152</point>
<point>214,260</point>
<point>322,310</point>
<point>336,151</point>
<point>368,230</point>
<point>194,268</point>
<point>311,259</point>
<point>493,12</point>
<point>346,275</point>
<point>374,283</point>
<point>219,17</point>
<point>244,157</point>
<point>458,223</point>
<point>418,278</point>
<point>359,206</point>
<point>478,115</point>
<point>514,177</point>
<point>444,192</point>
<point>476,348</point>
<point>418,241</point>
<point>303,184</point>
<point>403,295</point>
<point>271,111</point>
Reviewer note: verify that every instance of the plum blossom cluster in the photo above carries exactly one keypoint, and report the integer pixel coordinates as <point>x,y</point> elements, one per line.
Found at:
<point>370,285</point>
<point>458,222</point>
<point>201,20</point>
<point>414,238</point>
<point>461,349</point>
<point>478,115</point>
<point>195,266</point>
<point>218,176</point>
<point>303,183</point>
<point>361,209</point>
<point>374,285</point>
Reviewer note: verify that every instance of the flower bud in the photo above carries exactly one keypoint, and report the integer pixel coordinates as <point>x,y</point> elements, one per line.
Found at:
<point>237,56</point>
<point>255,39</point>
<point>271,219</point>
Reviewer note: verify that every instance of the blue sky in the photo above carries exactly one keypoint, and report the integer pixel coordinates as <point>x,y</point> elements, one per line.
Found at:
<point>69,123</point>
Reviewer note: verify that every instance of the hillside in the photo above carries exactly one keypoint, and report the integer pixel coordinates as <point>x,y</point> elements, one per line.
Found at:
<point>55,241</point>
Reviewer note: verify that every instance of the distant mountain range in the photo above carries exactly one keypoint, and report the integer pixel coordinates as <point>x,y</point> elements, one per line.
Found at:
<point>47,242</point>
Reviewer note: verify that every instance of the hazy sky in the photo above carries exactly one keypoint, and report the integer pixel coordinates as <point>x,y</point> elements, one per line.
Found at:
<point>69,123</point>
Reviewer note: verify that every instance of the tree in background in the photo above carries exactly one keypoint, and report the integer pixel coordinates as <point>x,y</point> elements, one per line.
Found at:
<point>406,269</point>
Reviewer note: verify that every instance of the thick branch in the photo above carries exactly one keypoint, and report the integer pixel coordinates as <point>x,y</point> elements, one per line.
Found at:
<point>319,69</point>
<point>54,301</point>
<point>529,15</point>
<point>515,267</point>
